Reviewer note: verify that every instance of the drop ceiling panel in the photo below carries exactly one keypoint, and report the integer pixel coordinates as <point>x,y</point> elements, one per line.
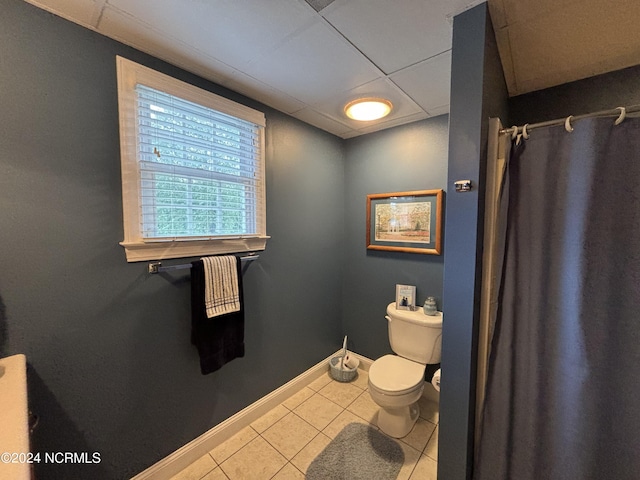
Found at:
<point>568,45</point>
<point>323,122</point>
<point>504,49</point>
<point>268,95</point>
<point>428,82</point>
<point>308,57</point>
<point>313,65</point>
<point>394,34</point>
<point>498,14</point>
<point>228,30</point>
<point>126,29</point>
<point>525,10</point>
<point>82,12</point>
<point>392,122</point>
<point>435,112</point>
<point>116,24</point>
<point>319,4</point>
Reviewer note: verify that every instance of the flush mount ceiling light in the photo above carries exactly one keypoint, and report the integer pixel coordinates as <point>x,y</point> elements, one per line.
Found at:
<point>368,108</point>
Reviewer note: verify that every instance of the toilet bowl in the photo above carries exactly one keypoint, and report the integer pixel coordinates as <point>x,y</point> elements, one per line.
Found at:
<point>396,382</point>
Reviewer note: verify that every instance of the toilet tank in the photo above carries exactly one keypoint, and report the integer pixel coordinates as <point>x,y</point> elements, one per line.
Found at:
<point>414,335</point>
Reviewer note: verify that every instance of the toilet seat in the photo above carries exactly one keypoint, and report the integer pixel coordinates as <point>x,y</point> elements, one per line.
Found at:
<point>394,375</point>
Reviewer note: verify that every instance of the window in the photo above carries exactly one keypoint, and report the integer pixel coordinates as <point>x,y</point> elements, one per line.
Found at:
<point>192,169</point>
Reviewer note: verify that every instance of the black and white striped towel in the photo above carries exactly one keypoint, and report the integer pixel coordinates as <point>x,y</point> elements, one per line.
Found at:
<point>221,294</point>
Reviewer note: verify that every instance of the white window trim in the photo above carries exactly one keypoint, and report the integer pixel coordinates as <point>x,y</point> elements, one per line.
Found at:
<point>136,248</point>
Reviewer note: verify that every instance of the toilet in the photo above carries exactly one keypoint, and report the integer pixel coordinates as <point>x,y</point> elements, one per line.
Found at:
<point>396,382</point>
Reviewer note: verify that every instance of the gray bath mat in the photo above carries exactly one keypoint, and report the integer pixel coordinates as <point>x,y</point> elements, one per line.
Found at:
<point>359,452</point>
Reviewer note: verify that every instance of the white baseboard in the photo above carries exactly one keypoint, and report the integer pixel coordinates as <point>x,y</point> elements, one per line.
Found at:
<point>189,453</point>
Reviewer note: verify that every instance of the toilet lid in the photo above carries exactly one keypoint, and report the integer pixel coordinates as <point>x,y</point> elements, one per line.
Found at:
<point>395,374</point>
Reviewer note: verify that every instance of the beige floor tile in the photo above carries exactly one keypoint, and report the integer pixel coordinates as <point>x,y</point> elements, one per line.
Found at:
<point>341,421</point>
<point>318,411</point>
<point>290,435</point>
<point>289,472</point>
<point>320,382</point>
<point>411,457</point>
<point>296,399</point>
<point>432,446</point>
<point>197,469</point>
<point>256,460</point>
<point>235,443</point>
<point>365,408</point>
<point>269,418</point>
<point>216,474</point>
<point>419,434</point>
<point>361,380</point>
<point>341,393</point>
<point>426,469</point>
<point>303,459</point>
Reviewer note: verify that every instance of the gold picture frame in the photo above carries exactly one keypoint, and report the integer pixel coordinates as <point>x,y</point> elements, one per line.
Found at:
<point>408,222</point>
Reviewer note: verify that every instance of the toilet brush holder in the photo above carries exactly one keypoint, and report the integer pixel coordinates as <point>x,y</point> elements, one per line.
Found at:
<point>343,373</point>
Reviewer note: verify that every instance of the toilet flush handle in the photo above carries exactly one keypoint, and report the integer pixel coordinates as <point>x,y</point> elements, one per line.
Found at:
<point>387,317</point>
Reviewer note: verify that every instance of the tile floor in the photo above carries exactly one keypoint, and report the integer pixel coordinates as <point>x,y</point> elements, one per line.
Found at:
<point>282,444</point>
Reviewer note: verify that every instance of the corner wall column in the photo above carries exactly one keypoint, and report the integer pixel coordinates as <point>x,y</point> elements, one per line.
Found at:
<point>478,92</point>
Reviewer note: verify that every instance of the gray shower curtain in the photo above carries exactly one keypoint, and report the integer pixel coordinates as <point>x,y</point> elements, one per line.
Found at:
<point>563,387</point>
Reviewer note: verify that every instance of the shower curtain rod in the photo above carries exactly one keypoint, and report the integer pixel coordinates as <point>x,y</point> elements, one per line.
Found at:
<point>620,112</point>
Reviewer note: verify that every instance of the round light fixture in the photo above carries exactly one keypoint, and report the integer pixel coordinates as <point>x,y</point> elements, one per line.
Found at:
<point>366,109</point>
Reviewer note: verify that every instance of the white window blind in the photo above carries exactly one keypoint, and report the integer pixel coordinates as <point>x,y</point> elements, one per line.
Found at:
<point>193,180</point>
<point>199,169</point>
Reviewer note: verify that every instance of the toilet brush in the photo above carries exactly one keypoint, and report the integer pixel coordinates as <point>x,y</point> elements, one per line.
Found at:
<point>344,352</point>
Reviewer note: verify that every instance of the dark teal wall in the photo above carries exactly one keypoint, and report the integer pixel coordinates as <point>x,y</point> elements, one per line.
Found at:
<point>602,92</point>
<point>112,369</point>
<point>478,92</point>
<point>410,157</point>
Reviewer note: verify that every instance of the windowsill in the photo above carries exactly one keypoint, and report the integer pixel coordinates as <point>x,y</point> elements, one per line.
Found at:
<point>145,251</point>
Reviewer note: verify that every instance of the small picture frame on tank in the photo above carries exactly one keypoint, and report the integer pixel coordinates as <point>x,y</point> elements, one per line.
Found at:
<point>405,297</point>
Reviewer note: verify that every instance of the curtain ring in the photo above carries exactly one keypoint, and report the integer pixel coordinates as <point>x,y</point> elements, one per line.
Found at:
<point>567,124</point>
<point>525,134</point>
<point>514,132</point>
<point>623,113</point>
<point>518,139</point>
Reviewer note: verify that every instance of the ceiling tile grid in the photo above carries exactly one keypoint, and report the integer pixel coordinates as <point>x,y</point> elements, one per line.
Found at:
<point>232,32</point>
<point>428,82</point>
<point>309,57</point>
<point>313,65</point>
<point>304,58</point>
<point>322,121</point>
<point>131,31</point>
<point>254,88</point>
<point>393,35</point>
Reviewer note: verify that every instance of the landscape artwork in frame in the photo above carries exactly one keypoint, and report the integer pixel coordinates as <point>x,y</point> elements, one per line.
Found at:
<point>405,221</point>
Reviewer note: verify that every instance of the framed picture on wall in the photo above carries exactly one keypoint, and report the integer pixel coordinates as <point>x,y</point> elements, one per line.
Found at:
<point>405,221</point>
<point>405,297</point>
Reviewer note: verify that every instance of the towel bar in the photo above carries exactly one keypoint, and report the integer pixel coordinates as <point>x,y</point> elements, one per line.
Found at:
<point>156,267</point>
